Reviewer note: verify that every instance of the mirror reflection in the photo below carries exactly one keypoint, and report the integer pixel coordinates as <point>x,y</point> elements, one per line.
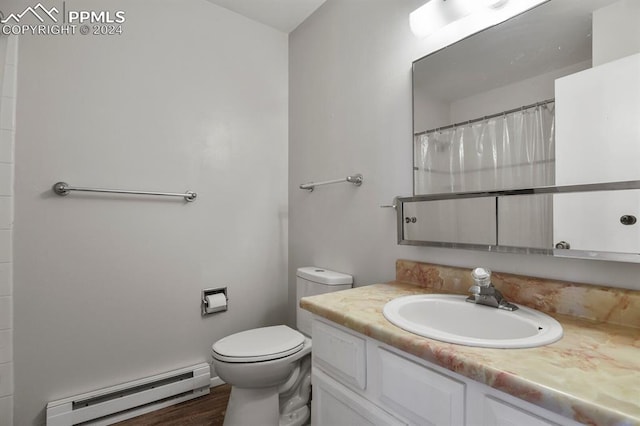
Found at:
<point>528,102</point>
<point>548,98</point>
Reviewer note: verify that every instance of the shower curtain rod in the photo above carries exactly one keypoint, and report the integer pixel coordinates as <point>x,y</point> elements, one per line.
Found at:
<point>486,117</point>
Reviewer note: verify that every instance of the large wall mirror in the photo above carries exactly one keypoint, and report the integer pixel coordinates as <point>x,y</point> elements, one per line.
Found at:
<point>548,99</point>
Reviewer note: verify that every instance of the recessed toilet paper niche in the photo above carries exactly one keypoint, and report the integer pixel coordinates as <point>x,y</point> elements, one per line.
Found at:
<point>214,300</point>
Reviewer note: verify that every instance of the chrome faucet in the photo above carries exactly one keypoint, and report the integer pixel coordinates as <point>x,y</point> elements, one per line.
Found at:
<point>484,293</point>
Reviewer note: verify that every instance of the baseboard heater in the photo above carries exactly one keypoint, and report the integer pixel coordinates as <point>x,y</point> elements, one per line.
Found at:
<point>117,403</point>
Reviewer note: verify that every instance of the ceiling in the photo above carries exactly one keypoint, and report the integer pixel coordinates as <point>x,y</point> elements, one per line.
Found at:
<point>283,15</point>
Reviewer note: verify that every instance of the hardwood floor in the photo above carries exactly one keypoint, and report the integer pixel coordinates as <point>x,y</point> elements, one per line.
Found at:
<point>204,411</point>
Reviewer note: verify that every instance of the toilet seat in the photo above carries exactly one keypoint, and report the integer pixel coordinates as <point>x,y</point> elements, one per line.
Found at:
<point>259,344</point>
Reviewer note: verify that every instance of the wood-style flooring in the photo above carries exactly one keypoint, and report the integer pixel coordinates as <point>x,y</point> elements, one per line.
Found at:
<point>204,411</point>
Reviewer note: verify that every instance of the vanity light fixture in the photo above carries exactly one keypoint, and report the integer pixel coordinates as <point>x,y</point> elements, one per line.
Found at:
<point>437,14</point>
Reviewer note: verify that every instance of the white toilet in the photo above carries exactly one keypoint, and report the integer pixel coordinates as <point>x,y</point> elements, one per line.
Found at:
<point>269,368</point>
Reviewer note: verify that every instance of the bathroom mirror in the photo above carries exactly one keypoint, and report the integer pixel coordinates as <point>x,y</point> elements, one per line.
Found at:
<point>548,98</point>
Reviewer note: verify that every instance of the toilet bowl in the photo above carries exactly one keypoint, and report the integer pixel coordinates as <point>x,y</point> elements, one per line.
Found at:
<point>269,368</point>
<point>257,363</point>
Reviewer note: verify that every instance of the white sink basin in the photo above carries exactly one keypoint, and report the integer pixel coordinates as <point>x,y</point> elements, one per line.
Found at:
<point>451,319</point>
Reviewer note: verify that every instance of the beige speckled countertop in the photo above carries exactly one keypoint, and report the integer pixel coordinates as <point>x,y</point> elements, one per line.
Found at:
<point>591,375</point>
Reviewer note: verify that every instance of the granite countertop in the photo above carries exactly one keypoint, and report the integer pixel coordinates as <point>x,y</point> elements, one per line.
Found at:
<point>591,375</point>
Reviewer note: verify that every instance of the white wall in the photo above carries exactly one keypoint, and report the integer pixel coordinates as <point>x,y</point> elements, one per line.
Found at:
<point>8,56</point>
<point>525,92</point>
<point>107,288</point>
<point>350,111</point>
<point>430,113</point>
<point>615,31</point>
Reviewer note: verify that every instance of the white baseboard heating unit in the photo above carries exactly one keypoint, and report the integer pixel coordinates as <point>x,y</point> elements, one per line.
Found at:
<point>117,403</point>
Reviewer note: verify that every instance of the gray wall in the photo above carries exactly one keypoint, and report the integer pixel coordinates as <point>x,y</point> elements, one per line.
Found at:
<point>350,111</point>
<point>107,288</point>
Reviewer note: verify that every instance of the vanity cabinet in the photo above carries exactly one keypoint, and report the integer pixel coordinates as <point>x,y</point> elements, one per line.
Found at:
<point>360,381</point>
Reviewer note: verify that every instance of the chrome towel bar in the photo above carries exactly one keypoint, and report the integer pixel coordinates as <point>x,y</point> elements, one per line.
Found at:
<point>63,188</point>
<point>355,179</point>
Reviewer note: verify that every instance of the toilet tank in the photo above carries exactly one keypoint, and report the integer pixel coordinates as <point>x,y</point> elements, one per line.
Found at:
<point>311,281</point>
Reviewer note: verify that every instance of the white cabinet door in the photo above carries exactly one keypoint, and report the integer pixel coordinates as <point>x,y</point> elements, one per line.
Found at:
<point>592,220</point>
<point>340,353</point>
<point>500,413</point>
<point>420,394</point>
<point>335,405</point>
<point>597,126</point>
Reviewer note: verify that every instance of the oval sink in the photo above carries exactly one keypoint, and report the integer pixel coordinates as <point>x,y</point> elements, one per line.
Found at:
<point>451,319</point>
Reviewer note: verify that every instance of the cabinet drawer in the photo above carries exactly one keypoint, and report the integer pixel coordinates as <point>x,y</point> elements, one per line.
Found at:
<point>334,404</point>
<point>340,354</point>
<point>418,393</point>
<point>500,413</point>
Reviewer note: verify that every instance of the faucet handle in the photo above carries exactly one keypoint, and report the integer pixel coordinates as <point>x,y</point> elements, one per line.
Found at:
<point>475,289</point>
<point>481,276</point>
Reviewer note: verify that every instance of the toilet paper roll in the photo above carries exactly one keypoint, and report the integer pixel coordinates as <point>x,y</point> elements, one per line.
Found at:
<point>216,302</point>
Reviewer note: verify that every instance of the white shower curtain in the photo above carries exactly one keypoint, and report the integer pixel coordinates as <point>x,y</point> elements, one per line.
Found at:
<point>515,150</point>
<point>511,151</point>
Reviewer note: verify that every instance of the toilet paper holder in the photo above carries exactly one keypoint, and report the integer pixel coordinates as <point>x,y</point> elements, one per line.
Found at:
<point>220,306</point>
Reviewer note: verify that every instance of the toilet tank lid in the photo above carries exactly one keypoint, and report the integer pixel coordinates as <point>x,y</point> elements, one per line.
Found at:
<point>324,276</point>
